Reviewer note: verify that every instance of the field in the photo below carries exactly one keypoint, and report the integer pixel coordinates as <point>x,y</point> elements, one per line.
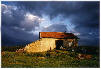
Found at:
<point>50,59</point>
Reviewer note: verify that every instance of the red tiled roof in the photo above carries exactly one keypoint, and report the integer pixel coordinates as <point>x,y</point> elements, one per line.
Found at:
<point>56,35</point>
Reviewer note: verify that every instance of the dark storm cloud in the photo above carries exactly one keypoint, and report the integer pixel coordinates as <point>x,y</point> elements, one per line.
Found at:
<point>65,7</point>
<point>36,8</point>
<point>14,17</point>
<point>83,15</point>
<point>16,37</point>
<point>55,28</point>
<point>12,28</point>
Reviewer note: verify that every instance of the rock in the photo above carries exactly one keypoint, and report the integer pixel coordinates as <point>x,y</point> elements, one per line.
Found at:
<point>20,50</point>
<point>2,53</point>
<point>84,56</point>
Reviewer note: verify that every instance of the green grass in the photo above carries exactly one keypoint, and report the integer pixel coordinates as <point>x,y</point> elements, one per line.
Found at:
<point>60,59</point>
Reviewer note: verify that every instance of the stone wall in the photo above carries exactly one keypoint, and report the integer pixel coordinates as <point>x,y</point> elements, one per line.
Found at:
<point>70,43</point>
<point>44,44</point>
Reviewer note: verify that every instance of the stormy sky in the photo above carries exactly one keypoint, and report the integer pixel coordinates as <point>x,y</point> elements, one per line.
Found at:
<point>21,21</point>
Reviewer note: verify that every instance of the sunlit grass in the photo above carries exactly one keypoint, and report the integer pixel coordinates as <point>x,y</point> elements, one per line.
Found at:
<point>60,59</point>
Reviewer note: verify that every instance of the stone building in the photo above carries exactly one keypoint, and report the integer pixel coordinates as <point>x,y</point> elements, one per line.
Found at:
<point>50,40</point>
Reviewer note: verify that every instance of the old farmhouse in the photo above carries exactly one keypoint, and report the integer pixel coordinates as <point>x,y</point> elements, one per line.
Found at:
<point>50,40</point>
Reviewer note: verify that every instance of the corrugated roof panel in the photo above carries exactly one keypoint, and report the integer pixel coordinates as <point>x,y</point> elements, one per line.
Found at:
<point>57,35</point>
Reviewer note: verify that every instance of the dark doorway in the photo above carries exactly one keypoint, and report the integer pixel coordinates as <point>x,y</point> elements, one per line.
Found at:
<point>59,43</point>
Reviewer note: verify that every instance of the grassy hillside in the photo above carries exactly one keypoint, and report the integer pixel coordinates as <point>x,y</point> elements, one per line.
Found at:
<point>55,58</point>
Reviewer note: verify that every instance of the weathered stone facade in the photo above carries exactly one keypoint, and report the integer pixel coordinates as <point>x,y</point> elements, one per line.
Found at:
<point>41,45</point>
<point>70,42</point>
<point>45,44</point>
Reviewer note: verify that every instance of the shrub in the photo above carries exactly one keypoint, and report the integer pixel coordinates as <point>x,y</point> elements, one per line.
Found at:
<point>73,54</point>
